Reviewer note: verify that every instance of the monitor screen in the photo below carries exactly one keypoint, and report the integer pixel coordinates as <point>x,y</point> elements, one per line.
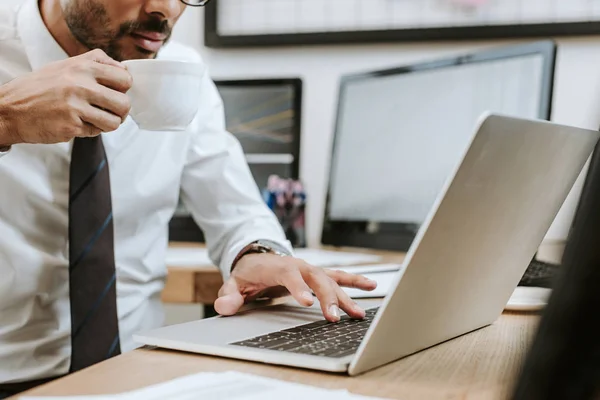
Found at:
<point>401,132</point>
<point>264,116</point>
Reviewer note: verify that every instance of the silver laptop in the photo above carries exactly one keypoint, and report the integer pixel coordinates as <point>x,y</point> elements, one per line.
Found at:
<point>459,273</point>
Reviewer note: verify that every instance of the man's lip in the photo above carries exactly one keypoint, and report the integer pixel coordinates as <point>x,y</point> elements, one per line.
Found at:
<point>154,36</point>
<point>150,45</point>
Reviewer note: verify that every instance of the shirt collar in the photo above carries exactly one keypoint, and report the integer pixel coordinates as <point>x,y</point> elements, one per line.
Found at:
<point>40,46</point>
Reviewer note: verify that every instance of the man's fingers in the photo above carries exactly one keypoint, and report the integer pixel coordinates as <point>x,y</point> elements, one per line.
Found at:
<point>229,304</point>
<point>324,288</point>
<point>100,56</point>
<point>229,287</point>
<point>351,281</point>
<point>103,120</point>
<point>115,78</point>
<point>110,100</point>
<point>230,299</point>
<point>90,130</point>
<point>294,283</point>
<point>349,305</point>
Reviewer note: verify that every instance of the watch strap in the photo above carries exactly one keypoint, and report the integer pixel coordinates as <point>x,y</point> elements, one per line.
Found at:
<point>258,247</point>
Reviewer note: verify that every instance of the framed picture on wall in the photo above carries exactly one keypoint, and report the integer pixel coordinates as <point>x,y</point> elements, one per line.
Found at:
<point>240,23</point>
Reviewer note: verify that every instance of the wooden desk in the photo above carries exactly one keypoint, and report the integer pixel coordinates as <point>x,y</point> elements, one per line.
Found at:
<point>480,365</point>
<point>201,284</point>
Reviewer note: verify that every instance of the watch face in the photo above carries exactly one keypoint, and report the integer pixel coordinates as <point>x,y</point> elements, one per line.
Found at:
<point>273,247</point>
<point>263,249</point>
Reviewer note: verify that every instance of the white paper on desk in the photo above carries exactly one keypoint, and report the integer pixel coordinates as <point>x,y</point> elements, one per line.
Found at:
<point>384,285</point>
<point>222,386</point>
<point>326,258</point>
<point>187,257</point>
<point>369,268</point>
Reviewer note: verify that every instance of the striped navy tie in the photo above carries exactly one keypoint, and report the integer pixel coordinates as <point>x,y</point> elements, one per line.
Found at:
<point>92,274</point>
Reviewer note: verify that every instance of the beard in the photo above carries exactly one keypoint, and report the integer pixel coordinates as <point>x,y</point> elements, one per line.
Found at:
<point>90,24</point>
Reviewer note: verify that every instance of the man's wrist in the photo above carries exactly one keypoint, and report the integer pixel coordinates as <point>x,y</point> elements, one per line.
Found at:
<point>4,142</point>
<point>5,130</point>
<point>261,246</point>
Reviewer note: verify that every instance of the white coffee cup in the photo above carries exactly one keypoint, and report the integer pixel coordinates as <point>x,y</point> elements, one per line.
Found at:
<point>165,95</point>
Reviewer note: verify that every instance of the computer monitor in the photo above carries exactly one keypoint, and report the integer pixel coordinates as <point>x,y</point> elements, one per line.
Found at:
<point>400,132</point>
<point>564,359</point>
<point>265,116</point>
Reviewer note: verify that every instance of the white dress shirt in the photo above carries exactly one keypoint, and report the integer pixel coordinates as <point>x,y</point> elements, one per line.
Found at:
<point>148,172</point>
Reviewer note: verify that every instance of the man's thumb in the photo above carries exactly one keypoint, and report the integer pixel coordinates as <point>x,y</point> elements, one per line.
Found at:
<point>230,299</point>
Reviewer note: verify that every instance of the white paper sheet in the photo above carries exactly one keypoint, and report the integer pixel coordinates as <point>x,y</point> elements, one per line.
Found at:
<point>326,258</point>
<point>370,268</point>
<point>222,386</point>
<point>384,274</point>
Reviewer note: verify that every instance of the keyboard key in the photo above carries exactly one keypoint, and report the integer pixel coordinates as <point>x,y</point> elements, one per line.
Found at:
<point>288,347</point>
<point>274,344</point>
<point>277,335</point>
<point>247,344</point>
<point>307,327</point>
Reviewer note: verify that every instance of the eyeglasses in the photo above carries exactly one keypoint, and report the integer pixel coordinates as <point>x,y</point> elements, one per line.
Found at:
<point>195,3</point>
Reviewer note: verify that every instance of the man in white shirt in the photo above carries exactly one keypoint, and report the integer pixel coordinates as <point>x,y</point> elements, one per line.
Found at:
<point>82,251</point>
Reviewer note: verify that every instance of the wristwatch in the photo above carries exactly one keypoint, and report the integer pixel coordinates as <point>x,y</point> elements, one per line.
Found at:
<point>261,246</point>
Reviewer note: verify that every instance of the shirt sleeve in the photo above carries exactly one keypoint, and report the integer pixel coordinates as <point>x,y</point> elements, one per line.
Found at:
<point>4,151</point>
<point>218,188</point>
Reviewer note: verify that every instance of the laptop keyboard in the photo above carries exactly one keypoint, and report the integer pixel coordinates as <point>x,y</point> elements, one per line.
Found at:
<point>540,274</point>
<point>321,338</point>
